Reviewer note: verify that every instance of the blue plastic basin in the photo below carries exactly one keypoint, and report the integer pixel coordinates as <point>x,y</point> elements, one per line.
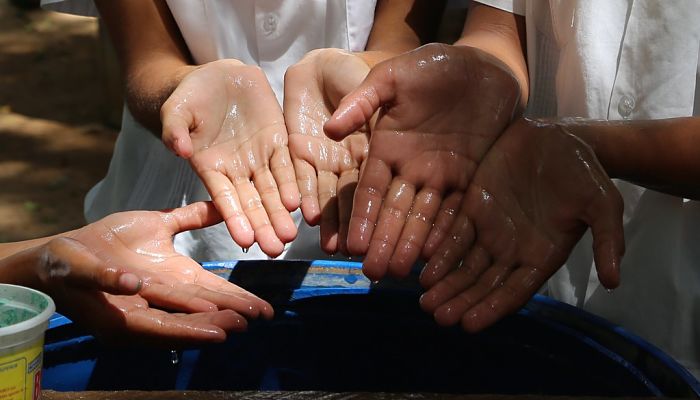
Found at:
<point>335,331</point>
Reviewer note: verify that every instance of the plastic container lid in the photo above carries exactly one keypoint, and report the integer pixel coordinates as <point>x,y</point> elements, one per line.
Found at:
<point>24,314</point>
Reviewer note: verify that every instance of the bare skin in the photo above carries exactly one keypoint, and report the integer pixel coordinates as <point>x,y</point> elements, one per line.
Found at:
<point>533,196</point>
<point>123,280</point>
<point>428,139</point>
<point>225,119</point>
<point>327,171</point>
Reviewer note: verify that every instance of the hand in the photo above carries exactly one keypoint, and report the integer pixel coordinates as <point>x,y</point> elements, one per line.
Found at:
<point>533,196</point>
<point>326,170</point>
<point>113,302</point>
<point>225,119</point>
<point>442,108</point>
<point>143,240</point>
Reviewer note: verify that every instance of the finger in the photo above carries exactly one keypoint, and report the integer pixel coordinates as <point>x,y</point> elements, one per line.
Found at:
<point>328,201</point>
<point>282,223</point>
<point>367,202</point>
<point>442,224</point>
<point>220,285</point>
<point>177,121</point>
<point>604,216</point>
<point>226,198</point>
<point>192,216</point>
<point>473,265</point>
<point>253,207</point>
<point>187,328</point>
<point>418,225</point>
<point>453,310</point>
<point>308,187</point>
<point>346,190</point>
<point>357,108</point>
<point>392,218</point>
<point>459,240</point>
<point>283,172</point>
<point>520,286</point>
<point>177,298</point>
<point>70,261</point>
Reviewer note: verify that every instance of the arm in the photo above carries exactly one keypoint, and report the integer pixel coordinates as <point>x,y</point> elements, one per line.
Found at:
<point>151,51</point>
<point>662,154</point>
<point>401,26</point>
<point>502,35</point>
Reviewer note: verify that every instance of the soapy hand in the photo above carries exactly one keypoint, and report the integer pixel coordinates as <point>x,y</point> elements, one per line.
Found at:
<point>224,118</point>
<point>326,170</point>
<point>533,196</point>
<point>441,109</point>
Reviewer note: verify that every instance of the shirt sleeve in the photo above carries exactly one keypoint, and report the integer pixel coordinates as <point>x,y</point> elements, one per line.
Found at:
<point>85,8</point>
<point>513,6</point>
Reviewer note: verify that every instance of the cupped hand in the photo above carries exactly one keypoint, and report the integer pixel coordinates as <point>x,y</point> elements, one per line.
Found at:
<point>225,119</point>
<point>441,109</point>
<point>327,171</point>
<point>144,240</point>
<point>533,196</point>
<point>114,302</point>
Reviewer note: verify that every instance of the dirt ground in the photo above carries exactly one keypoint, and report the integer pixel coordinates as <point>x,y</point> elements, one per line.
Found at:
<point>54,143</point>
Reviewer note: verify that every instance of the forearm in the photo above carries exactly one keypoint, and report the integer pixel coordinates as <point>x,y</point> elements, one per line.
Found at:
<point>401,26</point>
<point>152,54</point>
<point>663,155</point>
<point>502,35</point>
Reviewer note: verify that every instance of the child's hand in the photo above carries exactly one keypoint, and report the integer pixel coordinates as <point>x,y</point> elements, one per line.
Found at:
<point>326,170</point>
<point>442,108</point>
<point>225,119</point>
<point>533,196</point>
<point>121,278</point>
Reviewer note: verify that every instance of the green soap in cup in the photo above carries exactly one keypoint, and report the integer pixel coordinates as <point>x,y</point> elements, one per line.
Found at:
<point>24,317</point>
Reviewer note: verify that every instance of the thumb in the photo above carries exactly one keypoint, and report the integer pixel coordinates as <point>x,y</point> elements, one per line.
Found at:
<point>192,216</point>
<point>177,120</point>
<point>608,238</point>
<point>71,262</point>
<point>357,107</point>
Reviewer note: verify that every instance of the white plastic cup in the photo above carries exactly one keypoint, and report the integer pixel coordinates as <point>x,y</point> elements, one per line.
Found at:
<point>24,317</point>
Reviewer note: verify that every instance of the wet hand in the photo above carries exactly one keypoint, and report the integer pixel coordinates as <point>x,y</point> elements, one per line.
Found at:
<point>144,240</point>
<point>326,170</point>
<point>441,109</point>
<point>224,118</point>
<point>533,196</point>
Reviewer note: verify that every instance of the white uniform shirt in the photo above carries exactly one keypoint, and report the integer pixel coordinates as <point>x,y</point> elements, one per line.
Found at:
<point>274,34</point>
<point>626,59</point>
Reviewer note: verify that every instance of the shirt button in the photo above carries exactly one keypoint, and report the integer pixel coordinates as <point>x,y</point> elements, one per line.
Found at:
<point>626,106</point>
<point>269,24</point>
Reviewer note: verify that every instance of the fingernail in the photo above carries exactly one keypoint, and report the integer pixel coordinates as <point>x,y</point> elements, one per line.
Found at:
<point>130,282</point>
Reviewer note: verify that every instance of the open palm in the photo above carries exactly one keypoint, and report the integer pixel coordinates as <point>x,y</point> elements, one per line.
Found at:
<point>442,108</point>
<point>533,196</point>
<point>327,171</point>
<point>225,119</point>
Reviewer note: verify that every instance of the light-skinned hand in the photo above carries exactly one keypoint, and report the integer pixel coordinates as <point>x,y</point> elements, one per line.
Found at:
<point>123,280</point>
<point>224,118</point>
<point>327,171</point>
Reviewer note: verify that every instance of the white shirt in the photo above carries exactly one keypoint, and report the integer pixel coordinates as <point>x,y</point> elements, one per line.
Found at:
<point>626,59</point>
<point>274,34</point>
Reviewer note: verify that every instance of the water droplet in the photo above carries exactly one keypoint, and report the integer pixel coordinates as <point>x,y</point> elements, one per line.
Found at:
<point>609,291</point>
<point>245,250</point>
<point>350,278</point>
<point>174,359</point>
